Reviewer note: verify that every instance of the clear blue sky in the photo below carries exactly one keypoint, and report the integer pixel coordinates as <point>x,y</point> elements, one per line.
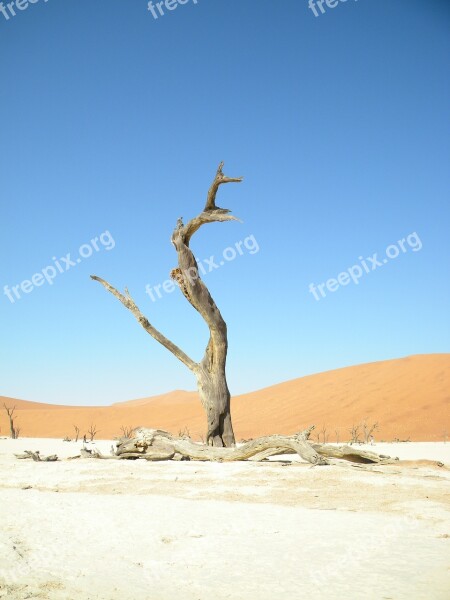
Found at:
<point>114,121</point>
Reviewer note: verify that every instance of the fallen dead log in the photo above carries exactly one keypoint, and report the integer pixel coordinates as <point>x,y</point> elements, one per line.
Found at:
<point>159,445</point>
<point>36,456</point>
<point>155,444</point>
<point>352,454</point>
<point>348,453</point>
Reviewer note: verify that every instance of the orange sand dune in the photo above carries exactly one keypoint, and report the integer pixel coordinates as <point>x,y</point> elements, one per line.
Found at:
<point>409,398</point>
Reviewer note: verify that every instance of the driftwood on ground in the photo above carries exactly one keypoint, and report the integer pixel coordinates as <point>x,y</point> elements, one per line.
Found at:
<point>36,456</point>
<point>159,445</point>
<point>155,444</point>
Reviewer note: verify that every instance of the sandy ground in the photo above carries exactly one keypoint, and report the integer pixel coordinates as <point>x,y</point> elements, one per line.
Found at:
<point>104,530</point>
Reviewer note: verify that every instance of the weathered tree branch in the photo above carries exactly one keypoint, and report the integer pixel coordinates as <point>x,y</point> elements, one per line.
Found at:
<point>350,453</point>
<point>219,179</point>
<point>347,453</point>
<point>214,216</point>
<point>154,444</point>
<point>129,303</point>
<point>196,291</point>
<point>36,456</point>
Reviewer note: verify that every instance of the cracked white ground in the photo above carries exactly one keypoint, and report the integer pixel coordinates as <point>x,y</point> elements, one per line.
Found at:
<point>104,530</point>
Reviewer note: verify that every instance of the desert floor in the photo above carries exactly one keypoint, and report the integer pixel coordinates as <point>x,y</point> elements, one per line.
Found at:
<point>88,529</point>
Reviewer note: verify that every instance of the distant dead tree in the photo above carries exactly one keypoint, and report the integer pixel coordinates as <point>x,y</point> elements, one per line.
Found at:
<point>77,432</point>
<point>127,431</point>
<point>445,436</point>
<point>337,436</point>
<point>92,431</point>
<point>184,433</point>
<point>368,431</point>
<point>17,431</point>
<point>322,434</point>
<point>210,371</point>
<point>355,432</point>
<point>325,435</point>
<point>13,430</point>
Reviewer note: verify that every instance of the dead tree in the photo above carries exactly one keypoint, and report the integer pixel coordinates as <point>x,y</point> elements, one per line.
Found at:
<point>92,431</point>
<point>368,431</point>
<point>13,430</point>
<point>184,433</point>
<point>77,432</point>
<point>355,433</point>
<point>325,435</point>
<point>126,431</point>
<point>210,371</point>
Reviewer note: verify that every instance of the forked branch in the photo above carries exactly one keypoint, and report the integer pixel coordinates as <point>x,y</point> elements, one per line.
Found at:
<point>187,274</point>
<point>219,179</point>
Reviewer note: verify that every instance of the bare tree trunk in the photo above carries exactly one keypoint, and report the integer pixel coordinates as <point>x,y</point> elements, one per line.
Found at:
<point>215,398</point>
<point>10,413</point>
<point>210,372</point>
